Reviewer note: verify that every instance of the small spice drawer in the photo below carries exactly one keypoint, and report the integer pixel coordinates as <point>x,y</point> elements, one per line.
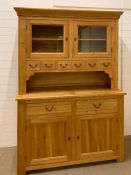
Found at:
<point>48,65</point>
<point>48,108</point>
<point>63,65</point>
<point>33,65</point>
<point>94,106</point>
<point>105,64</point>
<point>78,65</point>
<point>92,64</point>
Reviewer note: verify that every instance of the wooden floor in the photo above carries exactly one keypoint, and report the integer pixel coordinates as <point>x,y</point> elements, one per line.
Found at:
<point>8,165</point>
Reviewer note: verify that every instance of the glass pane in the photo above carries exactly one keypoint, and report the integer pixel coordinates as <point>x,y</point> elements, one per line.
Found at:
<point>47,38</point>
<point>92,39</point>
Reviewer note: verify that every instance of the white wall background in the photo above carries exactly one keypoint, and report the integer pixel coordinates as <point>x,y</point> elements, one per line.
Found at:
<point>8,57</point>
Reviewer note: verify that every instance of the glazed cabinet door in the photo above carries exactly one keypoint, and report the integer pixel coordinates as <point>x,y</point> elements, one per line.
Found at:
<point>47,38</point>
<point>48,140</point>
<point>92,39</point>
<point>97,137</point>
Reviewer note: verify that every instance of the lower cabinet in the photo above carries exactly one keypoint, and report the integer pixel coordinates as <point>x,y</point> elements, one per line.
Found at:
<point>48,140</point>
<point>89,130</point>
<point>55,139</point>
<point>97,136</point>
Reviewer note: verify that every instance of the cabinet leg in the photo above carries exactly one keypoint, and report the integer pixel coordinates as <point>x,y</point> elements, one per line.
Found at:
<point>120,158</point>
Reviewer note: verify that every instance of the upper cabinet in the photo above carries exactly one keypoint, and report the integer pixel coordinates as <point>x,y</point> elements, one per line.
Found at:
<point>92,39</point>
<point>47,38</point>
<point>51,38</point>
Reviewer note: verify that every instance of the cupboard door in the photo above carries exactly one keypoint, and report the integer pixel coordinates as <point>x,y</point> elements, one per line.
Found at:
<point>97,137</point>
<point>92,39</point>
<point>47,38</point>
<point>48,140</point>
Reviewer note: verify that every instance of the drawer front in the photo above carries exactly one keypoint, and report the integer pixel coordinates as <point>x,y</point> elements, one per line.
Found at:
<point>48,108</point>
<point>105,64</point>
<point>63,65</point>
<point>48,65</point>
<point>78,65</point>
<point>94,106</point>
<point>92,64</point>
<point>33,65</point>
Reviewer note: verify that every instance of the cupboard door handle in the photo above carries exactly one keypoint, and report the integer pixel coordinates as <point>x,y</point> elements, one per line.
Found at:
<point>97,106</point>
<point>44,137</point>
<point>49,109</point>
<point>48,65</point>
<point>78,65</point>
<point>106,64</point>
<point>66,38</point>
<point>33,66</point>
<point>78,137</point>
<point>92,65</point>
<point>69,138</point>
<point>63,66</point>
<point>75,39</point>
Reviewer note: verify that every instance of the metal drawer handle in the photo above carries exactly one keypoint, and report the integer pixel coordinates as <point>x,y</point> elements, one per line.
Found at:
<point>97,106</point>
<point>49,109</point>
<point>106,64</point>
<point>78,65</point>
<point>63,66</point>
<point>33,66</point>
<point>92,65</point>
<point>48,65</point>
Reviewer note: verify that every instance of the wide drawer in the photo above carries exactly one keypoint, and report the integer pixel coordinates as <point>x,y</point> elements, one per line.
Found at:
<point>94,106</point>
<point>48,108</point>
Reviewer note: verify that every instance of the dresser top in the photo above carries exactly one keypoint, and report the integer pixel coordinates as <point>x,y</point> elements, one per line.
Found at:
<point>60,94</point>
<point>32,12</point>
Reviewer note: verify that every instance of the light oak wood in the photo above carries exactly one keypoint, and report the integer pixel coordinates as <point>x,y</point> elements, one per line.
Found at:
<point>90,14</point>
<point>70,110</point>
<point>22,56</point>
<point>48,108</point>
<point>21,140</point>
<point>92,54</point>
<point>45,138</point>
<point>49,22</point>
<point>96,106</point>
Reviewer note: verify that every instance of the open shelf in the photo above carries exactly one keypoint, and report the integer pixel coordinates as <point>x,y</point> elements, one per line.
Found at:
<point>68,80</point>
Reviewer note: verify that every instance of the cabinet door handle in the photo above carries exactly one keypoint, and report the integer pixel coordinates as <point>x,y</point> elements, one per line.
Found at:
<point>75,39</point>
<point>105,64</point>
<point>97,105</point>
<point>69,138</point>
<point>49,109</point>
<point>48,65</point>
<point>92,65</point>
<point>32,66</point>
<point>66,38</point>
<point>78,65</point>
<point>78,137</point>
<point>63,66</point>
